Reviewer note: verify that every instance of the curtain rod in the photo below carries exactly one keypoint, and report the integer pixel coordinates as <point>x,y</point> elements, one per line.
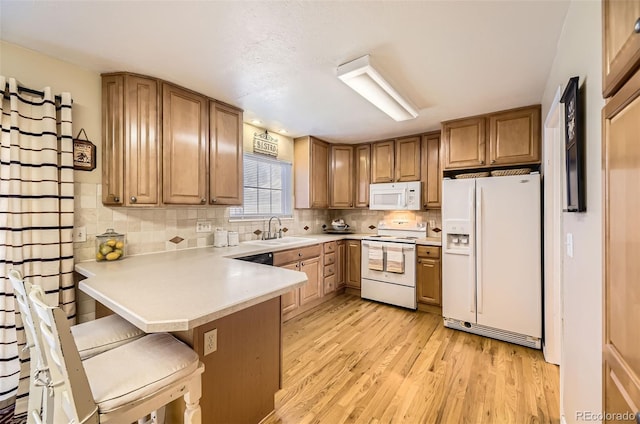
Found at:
<point>30,91</point>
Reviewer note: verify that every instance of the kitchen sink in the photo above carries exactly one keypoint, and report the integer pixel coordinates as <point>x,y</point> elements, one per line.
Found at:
<point>285,241</point>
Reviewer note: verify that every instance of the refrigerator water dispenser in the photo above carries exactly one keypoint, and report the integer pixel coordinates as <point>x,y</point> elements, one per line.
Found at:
<point>457,236</point>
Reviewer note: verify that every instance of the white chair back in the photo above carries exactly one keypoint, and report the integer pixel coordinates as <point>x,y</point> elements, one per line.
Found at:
<point>71,389</point>
<point>39,405</point>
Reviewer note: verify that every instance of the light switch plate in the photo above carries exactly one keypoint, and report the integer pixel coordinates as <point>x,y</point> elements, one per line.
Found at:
<point>203,227</point>
<point>79,234</point>
<point>210,341</point>
<point>570,245</point>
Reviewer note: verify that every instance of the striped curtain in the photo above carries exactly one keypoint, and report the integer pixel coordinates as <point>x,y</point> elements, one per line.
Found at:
<point>36,217</point>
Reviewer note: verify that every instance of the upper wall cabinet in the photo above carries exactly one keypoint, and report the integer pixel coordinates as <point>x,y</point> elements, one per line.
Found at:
<point>431,171</point>
<point>225,173</point>
<point>311,173</point>
<point>382,162</point>
<point>130,129</point>
<point>185,133</point>
<point>513,138</point>
<point>363,175</point>
<point>397,160</point>
<point>341,181</point>
<point>163,144</point>
<point>407,159</point>
<point>621,25</point>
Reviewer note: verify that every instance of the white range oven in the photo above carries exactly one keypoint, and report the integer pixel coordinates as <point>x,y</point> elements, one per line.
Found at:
<point>389,263</point>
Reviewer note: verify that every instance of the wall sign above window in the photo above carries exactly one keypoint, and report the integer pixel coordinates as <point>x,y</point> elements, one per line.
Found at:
<point>265,144</point>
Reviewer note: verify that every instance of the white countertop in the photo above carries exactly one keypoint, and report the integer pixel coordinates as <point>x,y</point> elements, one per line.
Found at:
<point>181,290</point>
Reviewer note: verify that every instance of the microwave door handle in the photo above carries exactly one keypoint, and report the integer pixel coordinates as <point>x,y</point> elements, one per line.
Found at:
<point>403,198</point>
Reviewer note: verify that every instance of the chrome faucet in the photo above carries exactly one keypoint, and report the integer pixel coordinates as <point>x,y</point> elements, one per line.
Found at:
<point>273,235</point>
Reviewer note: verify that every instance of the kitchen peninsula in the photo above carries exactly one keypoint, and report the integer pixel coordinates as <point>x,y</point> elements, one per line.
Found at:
<point>192,292</point>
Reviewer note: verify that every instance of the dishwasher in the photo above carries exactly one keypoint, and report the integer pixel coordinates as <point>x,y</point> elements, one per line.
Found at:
<point>261,258</point>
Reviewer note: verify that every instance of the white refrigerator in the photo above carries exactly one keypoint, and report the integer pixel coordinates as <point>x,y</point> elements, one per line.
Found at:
<point>491,264</point>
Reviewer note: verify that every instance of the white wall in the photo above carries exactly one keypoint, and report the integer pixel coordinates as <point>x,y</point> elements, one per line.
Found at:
<point>580,54</point>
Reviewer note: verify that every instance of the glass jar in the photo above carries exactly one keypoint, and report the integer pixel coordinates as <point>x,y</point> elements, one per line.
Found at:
<point>110,246</point>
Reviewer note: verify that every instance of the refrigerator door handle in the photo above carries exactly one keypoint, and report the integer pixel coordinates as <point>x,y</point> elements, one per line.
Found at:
<point>479,248</point>
<point>472,268</point>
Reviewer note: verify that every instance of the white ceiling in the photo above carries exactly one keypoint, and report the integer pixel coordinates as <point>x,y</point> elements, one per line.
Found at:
<point>277,60</point>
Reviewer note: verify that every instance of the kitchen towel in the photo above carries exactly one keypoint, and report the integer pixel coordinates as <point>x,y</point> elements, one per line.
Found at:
<point>395,260</point>
<point>375,258</point>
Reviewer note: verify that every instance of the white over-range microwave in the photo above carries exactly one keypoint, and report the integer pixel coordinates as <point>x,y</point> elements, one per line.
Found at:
<point>395,196</point>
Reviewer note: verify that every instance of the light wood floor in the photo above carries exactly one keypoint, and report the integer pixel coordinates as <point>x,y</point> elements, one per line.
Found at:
<point>351,360</point>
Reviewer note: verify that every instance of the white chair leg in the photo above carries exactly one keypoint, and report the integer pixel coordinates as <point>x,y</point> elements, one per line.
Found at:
<point>193,414</point>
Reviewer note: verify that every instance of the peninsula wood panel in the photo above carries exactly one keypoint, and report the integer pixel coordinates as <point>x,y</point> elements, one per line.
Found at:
<point>112,139</point>
<point>463,143</point>
<point>341,177</point>
<point>363,175</point>
<point>226,172</point>
<point>142,146</point>
<point>243,374</point>
<point>184,143</point>
<point>514,136</point>
<point>407,159</point>
<point>621,130</point>
<point>621,43</point>
<point>431,171</point>
<point>382,162</point>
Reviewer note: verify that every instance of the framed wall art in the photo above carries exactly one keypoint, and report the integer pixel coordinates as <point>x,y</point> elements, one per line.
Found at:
<point>84,153</point>
<point>574,144</point>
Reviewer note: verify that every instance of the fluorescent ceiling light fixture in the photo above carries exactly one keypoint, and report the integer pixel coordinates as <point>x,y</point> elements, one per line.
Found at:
<point>283,131</point>
<point>366,81</point>
<point>256,121</point>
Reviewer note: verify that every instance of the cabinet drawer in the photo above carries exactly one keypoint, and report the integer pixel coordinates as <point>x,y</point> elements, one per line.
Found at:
<point>428,252</point>
<point>329,247</point>
<point>329,270</point>
<point>329,258</point>
<point>291,255</point>
<point>329,284</point>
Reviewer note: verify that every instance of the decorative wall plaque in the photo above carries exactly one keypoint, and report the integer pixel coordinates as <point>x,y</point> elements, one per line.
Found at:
<point>265,144</point>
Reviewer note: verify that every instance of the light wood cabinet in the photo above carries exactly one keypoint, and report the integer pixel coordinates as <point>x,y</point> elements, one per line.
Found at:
<point>341,256</point>
<point>621,289</point>
<point>185,127</point>
<point>428,280</point>
<point>225,149</point>
<point>510,137</point>
<point>312,290</point>
<point>514,136</point>
<point>291,300</point>
<point>363,175</point>
<point>353,264</point>
<point>407,159</point>
<point>431,171</point>
<point>621,27</point>
<point>463,143</point>
<point>311,173</point>
<point>341,177</point>
<point>382,162</point>
<point>130,130</point>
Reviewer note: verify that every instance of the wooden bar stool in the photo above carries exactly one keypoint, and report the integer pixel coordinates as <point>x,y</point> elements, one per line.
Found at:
<point>91,338</point>
<point>118,386</point>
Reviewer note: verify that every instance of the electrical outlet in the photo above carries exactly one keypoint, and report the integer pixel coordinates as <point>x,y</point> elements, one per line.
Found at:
<point>80,234</point>
<point>210,341</point>
<point>203,227</point>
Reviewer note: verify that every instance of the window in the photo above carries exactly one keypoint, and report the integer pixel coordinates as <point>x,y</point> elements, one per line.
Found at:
<point>267,189</point>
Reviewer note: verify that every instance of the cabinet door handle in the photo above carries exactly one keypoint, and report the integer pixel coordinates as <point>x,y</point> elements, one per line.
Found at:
<point>351,205</point>
<point>481,162</point>
<point>493,161</point>
<point>133,199</point>
<point>301,263</point>
<point>116,199</point>
<point>214,200</point>
<point>203,200</point>
<point>636,27</point>
<point>299,254</point>
<point>419,261</point>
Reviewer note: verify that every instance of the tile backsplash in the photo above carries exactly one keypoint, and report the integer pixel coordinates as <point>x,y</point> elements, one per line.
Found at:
<point>150,230</point>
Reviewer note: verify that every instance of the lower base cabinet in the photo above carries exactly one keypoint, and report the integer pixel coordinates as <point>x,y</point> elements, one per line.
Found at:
<point>428,280</point>
<point>353,276</point>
